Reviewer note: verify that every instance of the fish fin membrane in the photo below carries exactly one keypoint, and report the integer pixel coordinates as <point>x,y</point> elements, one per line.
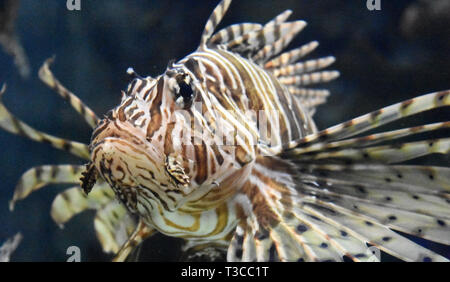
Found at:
<point>293,214</point>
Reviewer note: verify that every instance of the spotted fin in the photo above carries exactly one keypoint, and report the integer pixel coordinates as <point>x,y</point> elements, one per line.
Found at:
<point>361,185</point>
<point>376,234</point>
<point>276,228</point>
<point>311,212</point>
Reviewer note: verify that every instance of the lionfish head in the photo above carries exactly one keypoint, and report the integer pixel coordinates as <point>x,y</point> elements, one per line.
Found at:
<point>137,148</point>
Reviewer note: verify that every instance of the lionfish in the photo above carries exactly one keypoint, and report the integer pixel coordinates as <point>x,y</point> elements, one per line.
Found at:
<point>222,151</point>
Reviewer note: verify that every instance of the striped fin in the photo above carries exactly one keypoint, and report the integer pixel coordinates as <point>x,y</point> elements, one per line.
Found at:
<point>408,178</point>
<point>349,182</point>
<point>13,125</point>
<point>113,226</point>
<point>273,48</point>
<point>233,31</point>
<point>373,139</point>
<point>295,247</point>
<point>250,43</point>
<point>73,201</point>
<point>260,44</point>
<point>37,177</point>
<point>318,240</point>
<point>214,20</point>
<point>249,247</point>
<point>378,118</point>
<point>309,78</point>
<point>276,229</point>
<point>253,244</point>
<point>112,219</point>
<point>281,18</point>
<point>389,196</point>
<point>238,30</point>
<point>304,67</point>
<point>309,98</point>
<point>291,56</point>
<point>50,80</point>
<point>385,154</point>
<point>313,245</point>
<point>314,214</point>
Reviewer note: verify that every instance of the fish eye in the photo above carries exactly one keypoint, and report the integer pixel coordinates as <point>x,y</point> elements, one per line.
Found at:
<point>185,90</point>
<point>185,93</point>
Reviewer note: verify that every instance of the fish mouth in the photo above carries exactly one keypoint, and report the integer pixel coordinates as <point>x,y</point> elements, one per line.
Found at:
<point>132,171</point>
<point>121,154</point>
<point>110,134</point>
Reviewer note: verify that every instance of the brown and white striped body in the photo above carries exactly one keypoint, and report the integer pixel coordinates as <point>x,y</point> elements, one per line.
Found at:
<point>221,149</point>
<point>130,148</point>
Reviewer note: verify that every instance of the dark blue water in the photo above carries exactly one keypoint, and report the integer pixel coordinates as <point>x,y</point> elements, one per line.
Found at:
<point>381,62</point>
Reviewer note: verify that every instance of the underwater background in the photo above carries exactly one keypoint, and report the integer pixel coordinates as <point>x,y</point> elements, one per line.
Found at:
<point>385,56</point>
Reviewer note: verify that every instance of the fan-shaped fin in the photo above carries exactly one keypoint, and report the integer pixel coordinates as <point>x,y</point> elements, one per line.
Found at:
<point>376,234</point>
<point>305,212</point>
